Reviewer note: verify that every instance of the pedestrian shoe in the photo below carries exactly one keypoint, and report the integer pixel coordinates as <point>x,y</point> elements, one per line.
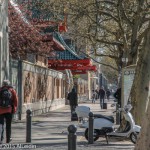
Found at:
<point>8,141</point>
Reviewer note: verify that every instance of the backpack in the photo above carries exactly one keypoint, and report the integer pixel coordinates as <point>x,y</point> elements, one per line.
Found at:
<point>5,98</point>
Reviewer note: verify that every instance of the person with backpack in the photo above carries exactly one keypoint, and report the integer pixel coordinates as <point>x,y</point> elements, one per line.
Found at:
<point>8,106</point>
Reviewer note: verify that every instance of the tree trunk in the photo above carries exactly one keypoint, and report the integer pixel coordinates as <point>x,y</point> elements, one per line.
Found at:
<point>143,141</point>
<point>141,83</point>
<point>142,96</point>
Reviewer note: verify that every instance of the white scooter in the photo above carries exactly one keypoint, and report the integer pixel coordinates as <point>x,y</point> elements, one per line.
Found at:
<point>104,125</point>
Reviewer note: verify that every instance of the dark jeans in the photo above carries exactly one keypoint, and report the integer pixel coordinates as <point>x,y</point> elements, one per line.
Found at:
<point>74,116</point>
<point>72,107</point>
<point>8,118</point>
<point>101,102</point>
<point>108,97</point>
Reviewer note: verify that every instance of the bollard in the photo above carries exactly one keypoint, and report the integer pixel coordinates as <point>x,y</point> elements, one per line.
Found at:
<point>117,115</point>
<point>28,126</point>
<point>72,137</point>
<point>90,131</point>
<point>118,118</point>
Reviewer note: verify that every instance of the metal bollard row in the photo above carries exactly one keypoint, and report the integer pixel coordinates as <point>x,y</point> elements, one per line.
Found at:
<point>28,125</point>
<point>117,115</point>
<point>72,137</point>
<point>90,131</point>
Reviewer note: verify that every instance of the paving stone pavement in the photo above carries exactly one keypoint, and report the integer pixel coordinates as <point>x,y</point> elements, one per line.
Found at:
<point>49,132</point>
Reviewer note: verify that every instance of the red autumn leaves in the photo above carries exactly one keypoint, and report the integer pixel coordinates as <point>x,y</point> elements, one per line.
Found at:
<point>25,38</point>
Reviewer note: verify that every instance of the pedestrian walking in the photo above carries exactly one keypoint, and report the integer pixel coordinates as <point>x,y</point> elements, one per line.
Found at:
<point>8,106</point>
<point>117,95</point>
<point>108,93</point>
<point>97,94</point>
<point>93,96</point>
<point>73,101</point>
<point>102,96</point>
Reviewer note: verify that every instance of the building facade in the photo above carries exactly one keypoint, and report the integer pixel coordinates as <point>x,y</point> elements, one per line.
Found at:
<point>4,48</point>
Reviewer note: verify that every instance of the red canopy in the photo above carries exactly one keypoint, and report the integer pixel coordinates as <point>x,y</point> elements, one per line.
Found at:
<point>70,62</point>
<point>76,66</point>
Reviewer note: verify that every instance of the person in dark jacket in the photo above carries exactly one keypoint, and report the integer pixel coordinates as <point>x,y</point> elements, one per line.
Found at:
<point>93,96</point>
<point>97,94</point>
<point>117,95</point>
<point>108,94</point>
<point>102,96</point>
<point>73,99</point>
<point>6,112</point>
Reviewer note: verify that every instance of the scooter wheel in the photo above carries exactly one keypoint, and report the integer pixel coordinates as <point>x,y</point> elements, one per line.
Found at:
<point>133,137</point>
<point>96,136</point>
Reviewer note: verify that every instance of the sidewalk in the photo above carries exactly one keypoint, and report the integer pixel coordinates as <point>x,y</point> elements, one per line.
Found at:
<point>49,131</point>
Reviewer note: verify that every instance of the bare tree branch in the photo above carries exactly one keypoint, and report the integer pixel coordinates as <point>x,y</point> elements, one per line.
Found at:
<point>100,62</point>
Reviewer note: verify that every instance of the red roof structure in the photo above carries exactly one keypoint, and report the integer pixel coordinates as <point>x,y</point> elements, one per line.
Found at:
<point>54,42</point>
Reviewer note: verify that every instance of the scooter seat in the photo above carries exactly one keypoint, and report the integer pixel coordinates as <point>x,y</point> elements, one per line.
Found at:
<point>110,118</point>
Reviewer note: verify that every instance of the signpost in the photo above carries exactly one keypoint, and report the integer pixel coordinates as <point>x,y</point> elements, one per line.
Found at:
<point>127,81</point>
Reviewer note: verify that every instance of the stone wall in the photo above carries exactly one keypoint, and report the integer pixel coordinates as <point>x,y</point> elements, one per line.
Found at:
<point>39,88</point>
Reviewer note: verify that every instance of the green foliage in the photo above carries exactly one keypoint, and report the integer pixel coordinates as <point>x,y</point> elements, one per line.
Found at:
<point>77,76</point>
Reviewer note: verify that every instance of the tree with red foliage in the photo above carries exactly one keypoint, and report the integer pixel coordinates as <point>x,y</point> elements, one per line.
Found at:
<point>24,37</point>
